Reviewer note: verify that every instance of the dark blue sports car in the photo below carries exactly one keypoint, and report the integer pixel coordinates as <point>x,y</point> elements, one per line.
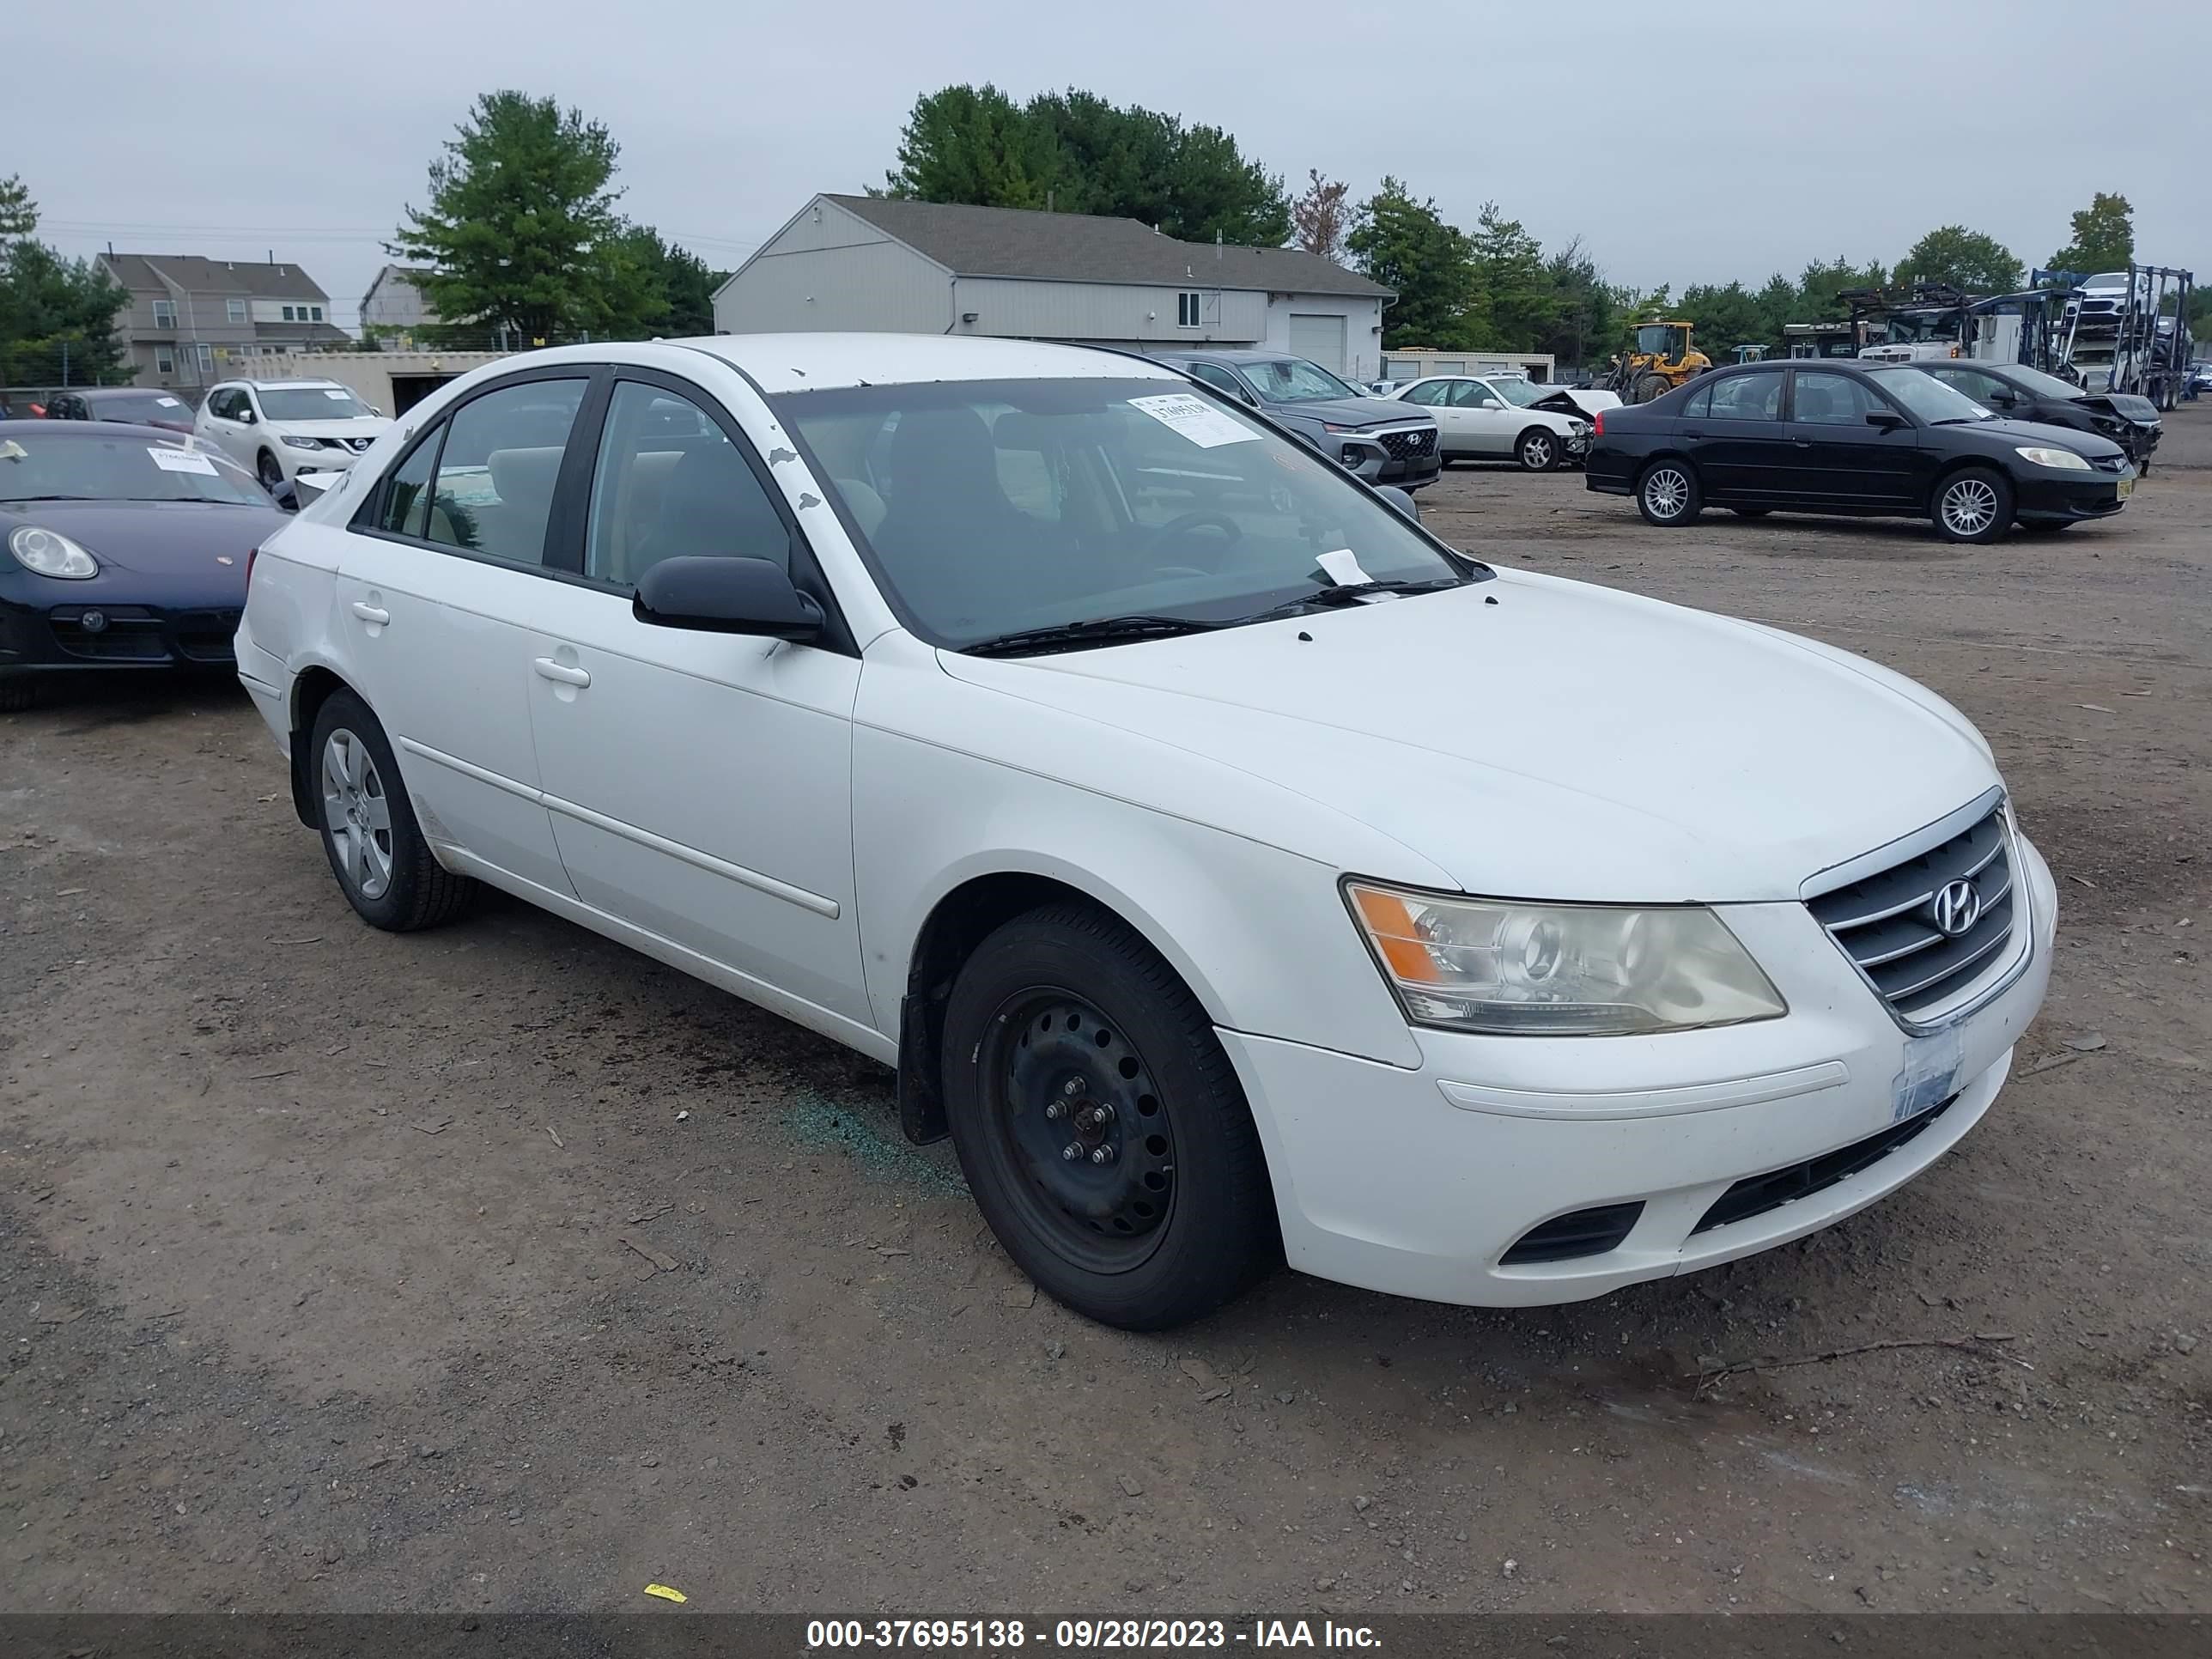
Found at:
<point>121,547</point>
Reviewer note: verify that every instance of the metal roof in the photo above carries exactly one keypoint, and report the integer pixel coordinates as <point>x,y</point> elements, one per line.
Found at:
<point>1082,247</point>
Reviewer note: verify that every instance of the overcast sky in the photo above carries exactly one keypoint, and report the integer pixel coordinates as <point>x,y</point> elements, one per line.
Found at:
<point>1700,141</point>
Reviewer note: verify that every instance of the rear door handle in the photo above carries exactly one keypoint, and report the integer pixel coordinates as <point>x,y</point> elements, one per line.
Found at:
<point>371,613</point>
<point>559,671</point>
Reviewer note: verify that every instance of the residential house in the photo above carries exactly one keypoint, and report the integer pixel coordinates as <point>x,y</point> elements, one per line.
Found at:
<point>868,263</point>
<point>192,321</point>
<point>394,312</point>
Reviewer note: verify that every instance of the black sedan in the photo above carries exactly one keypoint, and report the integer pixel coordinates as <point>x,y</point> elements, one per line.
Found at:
<point>2020,393</point>
<point>121,547</point>
<point>1842,439</point>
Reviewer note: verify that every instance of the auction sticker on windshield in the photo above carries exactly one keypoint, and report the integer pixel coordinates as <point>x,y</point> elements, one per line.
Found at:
<point>180,460</point>
<point>1196,419</point>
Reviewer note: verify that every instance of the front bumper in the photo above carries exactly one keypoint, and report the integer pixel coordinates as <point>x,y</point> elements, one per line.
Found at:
<point>297,461</point>
<point>1367,456</point>
<point>2051,496</point>
<point>76,635</point>
<point>1418,1180</point>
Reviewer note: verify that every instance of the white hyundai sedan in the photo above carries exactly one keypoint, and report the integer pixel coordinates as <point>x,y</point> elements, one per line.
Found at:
<point>1233,871</point>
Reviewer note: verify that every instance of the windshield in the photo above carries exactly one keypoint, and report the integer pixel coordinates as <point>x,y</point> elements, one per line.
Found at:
<point>312,403</point>
<point>84,467</point>
<point>1663,339</point>
<point>2036,383</point>
<point>1927,397</point>
<point>156,406</point>
<point>1294,381</point>
<point>1519,393</point>
<point>993,506</point>
<point>2108,279</point>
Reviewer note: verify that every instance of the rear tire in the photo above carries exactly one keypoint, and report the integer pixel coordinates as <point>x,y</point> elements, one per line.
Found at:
<point>1973,505</point>
<point>383,866</point>
<point>1667,495</point>
<point>1539,450</point>
<point>1064,1029</point>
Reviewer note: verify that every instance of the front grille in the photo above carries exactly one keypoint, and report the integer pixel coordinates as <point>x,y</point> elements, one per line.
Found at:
<point>2109,462</point>
<point>205,635</point>
<point>123,633</point>
<point>1757,1195</point>
<point>1404,446</point>
<point>1887,922</point>
<point>1585,1232</point>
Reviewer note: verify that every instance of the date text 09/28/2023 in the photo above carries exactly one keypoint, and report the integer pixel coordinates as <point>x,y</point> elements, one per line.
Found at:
<point>1012,1635</point>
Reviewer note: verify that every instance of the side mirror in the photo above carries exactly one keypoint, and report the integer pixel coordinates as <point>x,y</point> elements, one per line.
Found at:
<point>2001,399</point>
<point>727,596</point>
<point>246,416</point>
<point>1401,499</point>
<point>1888,420</point>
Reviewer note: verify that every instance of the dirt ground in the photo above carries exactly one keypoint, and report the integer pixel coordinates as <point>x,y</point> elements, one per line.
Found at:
<point>500,1268</point>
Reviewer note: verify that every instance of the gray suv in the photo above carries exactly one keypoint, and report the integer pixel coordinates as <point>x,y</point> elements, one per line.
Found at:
<point>1375,438</point>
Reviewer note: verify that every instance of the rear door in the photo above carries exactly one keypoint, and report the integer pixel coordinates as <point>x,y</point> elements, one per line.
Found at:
<point>1731,428</point>
<point>1434,397</point>
<point>1839,459</point>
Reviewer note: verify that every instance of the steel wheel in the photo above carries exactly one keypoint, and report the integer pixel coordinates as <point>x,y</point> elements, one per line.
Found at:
<point>1079,1127</point>
<point>1969,507</point>
<point>358,812</point>
<point>1538,452</point>
<point>1667,492</point>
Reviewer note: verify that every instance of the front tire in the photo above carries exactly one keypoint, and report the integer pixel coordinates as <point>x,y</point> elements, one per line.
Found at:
<point>384,867</point>
<point>1666,494</point>
<point>1973,506</point>
<point>266,469</point>
<point>17,695</point>
<point>1538,450</point>
<point>1100,1125</point>
<point>1649,387</point>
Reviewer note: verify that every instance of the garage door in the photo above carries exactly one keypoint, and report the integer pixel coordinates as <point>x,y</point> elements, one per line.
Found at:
<point>1318,339</point>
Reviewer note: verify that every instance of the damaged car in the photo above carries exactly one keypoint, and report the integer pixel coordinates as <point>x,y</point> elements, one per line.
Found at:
<point>2020,393</point>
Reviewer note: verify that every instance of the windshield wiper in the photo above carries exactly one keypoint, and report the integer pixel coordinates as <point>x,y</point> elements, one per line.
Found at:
<point>1097,630</point>
<point>1344,593</point>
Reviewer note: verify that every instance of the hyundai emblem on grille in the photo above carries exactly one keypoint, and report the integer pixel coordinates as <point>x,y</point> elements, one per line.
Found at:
<point>1957,908</point>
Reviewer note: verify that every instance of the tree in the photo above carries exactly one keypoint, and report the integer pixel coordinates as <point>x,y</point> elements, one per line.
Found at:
<point>1966,259</point>
<point>1321,216</point>
<point>1075,152</point>
<point>19,213</point>
<point>521,230</point>
<point>1722,319</point>
<point>56,319</point>
<point>2103,237</point>
<point>1406,244</point>
<point>668,290</point>
<point>1823,281</point>
<point>1583,323</point>
<point>1517,301</point>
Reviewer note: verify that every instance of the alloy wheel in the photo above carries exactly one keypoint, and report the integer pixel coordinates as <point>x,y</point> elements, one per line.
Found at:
<point>1969,506</point>
<point>1666,492</point>
<point>1537,454</point>
<point>1081,1129</point>
<point>358,814</point>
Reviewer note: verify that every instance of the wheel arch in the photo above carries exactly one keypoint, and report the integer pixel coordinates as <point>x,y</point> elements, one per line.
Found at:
<point>311,687</point>
<point>961,918</point>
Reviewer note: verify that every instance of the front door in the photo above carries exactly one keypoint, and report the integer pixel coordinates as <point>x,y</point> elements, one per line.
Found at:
<point>1838,458</point>
<point>428,594</point>
<point>1435,396</point>
<point>1732,431</point>
<point>700,783</point>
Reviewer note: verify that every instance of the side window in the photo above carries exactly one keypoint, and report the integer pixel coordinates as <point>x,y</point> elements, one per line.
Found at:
<point>1832,400</point>
<point>1700,406</point>
<point>1971,381</point>
<point>1220,379</point>
<point>407,495</point>
<point>1473,394</point>
<point>496,473</point>
<point>1749,398</point>
<point>670,483</point>
<point>1431,394</point>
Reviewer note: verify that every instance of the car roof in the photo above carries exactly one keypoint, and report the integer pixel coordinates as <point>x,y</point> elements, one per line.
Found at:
<point>1230,355</point>
<point>95,392</point>
<point>109,430</point>
<point>282,386</point>
<point>806,362</point>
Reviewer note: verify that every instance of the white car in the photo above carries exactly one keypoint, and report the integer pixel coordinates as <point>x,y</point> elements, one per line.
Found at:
<point>1497,418</point>
<point>282,428</point>
<point>1054,732</point>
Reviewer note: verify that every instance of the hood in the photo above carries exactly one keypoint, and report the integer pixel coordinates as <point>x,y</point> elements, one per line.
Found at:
<point>367,430</point>
<point>1568,741</point>
<point>2124,405</point>
<point>155,552</point>
<point>2088,444</point>
<point>1355,411</point>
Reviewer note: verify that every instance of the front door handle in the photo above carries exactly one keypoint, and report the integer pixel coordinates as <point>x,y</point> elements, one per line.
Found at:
<point>1803,443</point>
<point>1692,432</point>
<point>371,613</point>
<point>559,672</point>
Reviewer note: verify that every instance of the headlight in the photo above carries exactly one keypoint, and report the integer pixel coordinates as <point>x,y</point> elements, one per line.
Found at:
<point>2065,461</point>
<point>50,553</point>
<point>1559,970</point>
<point>303,443</point>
